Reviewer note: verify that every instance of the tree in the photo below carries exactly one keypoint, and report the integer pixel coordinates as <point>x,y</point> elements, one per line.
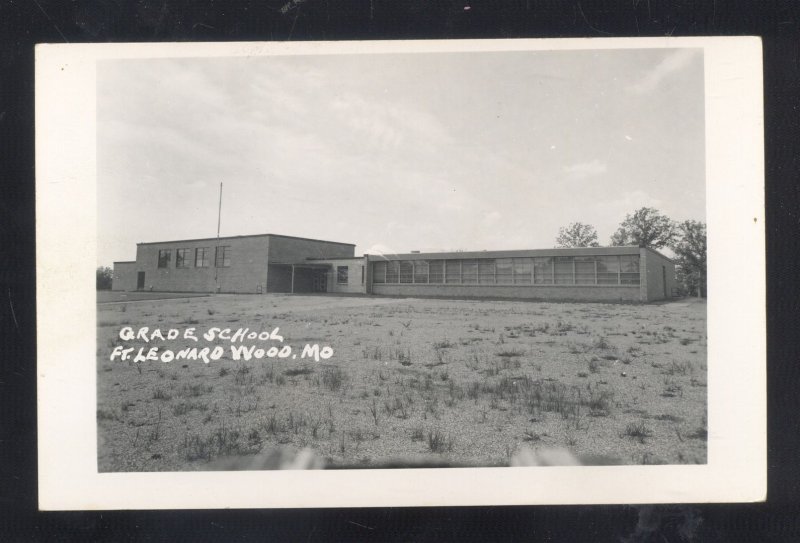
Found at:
<point>646,227</point>
<point>577,235</point>
<point>690,256</point>
<point>104,275</point>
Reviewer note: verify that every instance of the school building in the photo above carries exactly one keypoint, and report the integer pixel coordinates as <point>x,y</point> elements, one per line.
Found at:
<point>271,263</point>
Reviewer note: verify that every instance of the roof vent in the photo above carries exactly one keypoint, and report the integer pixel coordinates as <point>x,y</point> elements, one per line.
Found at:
<point>414,252</point>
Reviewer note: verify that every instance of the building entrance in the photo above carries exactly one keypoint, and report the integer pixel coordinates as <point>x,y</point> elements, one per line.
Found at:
<point>320,281</point>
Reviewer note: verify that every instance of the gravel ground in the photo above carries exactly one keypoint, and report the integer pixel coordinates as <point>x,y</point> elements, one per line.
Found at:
<point>466,382</point>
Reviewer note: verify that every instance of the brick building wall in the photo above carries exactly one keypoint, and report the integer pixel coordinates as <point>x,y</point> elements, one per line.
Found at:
<point>124,276</point>
<point>246,272</point>
<point>535,292</point>
<point>655,269</point>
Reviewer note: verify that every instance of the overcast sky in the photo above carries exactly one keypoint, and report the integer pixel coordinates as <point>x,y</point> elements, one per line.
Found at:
<point>397,152</point>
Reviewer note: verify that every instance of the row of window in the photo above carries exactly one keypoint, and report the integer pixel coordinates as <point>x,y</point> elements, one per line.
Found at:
<point>202,256</point>
<point>560,270</point>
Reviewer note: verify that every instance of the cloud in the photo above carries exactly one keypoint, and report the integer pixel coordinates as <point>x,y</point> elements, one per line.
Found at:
<point>672,63</point>
<point>583,170</point>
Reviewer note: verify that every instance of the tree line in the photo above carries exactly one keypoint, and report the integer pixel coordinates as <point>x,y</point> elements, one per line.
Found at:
<point>648,227</point>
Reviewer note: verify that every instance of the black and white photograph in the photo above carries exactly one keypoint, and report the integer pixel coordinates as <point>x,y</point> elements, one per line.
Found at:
<point>387,259</point>
<point>516,269</point>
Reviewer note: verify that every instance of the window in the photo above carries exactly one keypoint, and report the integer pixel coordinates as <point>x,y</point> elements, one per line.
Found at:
<point>564,272</point>
<point>379,272</point>
<point>607,270</point>
<point>164,258</point>
<point>182,258</point>
<point>393,271</point>
<point>223,258</point>
<point>505,271</point>
<point>584,270</point>
<point>629,269</point>
<point>341,275</point>
<point>469,272</point>
<point>453,271</point>
<point>406,271</point>
<point>420,271</point>
<point>486,272</point>
<point>523,271</point>
<point>543,271</point>
<point>436,271</point>
<point>201,256</point>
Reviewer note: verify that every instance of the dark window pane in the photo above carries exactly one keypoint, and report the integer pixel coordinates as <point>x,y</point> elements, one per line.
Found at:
<point>406,271</point>
<point>164,258</point>
<point>584,270</point>
<point>420,271</point>
<point>469,272</point>
<point>564,271</point>
<point>486,272</point>
<point>505,271</point>
<point>392,271</point>
<point>201,256</point>
<point>379,272</point>
<point>523,268</point>
<point>341,275</point>
<point>453,271</point>
<point>436,271</point>
<point>543,270</point>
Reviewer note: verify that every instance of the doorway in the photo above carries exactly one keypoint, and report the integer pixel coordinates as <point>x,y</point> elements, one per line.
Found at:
<point>664,279</point>
<point>320,281</point>
<point>140,281</point>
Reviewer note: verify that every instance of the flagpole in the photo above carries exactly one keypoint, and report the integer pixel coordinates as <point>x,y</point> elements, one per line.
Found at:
<point>216,249</point>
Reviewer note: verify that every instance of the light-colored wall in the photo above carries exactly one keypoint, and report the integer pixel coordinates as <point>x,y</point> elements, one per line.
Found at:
<point>537,292</point>
<point>248,269</point>
<point>652,275</point>
<point>124,276</point>
<point>354,284</point>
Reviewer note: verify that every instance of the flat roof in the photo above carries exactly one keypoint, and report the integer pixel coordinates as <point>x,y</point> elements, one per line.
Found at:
<point>572,251</point>
<point>241,237</point>
<point>337,258</point>
<point>124,262</point>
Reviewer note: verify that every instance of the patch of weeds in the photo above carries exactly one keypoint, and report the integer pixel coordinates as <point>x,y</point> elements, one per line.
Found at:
<point>291,372</point>
<point>583,374</point>
<point>600,402</point>
<point>184,407</point>
<point>194,390</point>
<point>594,365</point>
<point>211,311</point>
<point>679,368</point>
<point>444,344</point>
<point>531,436</point>
<point>440,442</point>
<point>601,342</point>
<point>404,357</point>
<point>107,414</point>
<point>638,431</point>
<point>509,353</point>
<point>242,375</point>
<point>223,371</point>
<point>333,378</point>
<point>672,389</point>
<point>417,433</point>
<point>161,394</point>
<point>373,353</point>
<point>669,418</point>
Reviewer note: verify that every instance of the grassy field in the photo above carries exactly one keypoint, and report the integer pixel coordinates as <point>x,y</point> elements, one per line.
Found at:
<point>460,381</point>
